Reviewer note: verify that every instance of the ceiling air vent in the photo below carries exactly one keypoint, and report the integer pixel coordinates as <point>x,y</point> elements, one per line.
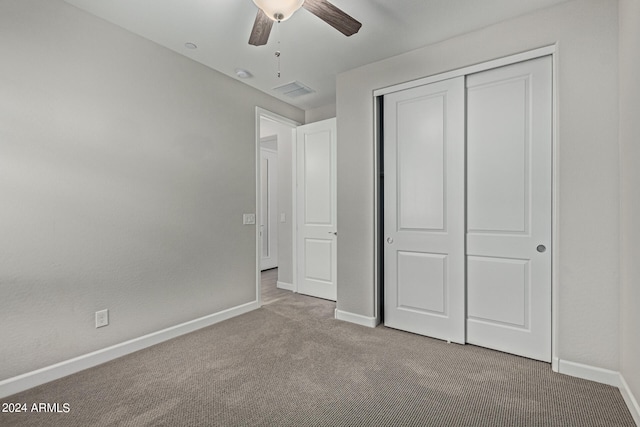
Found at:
<point>293,89</point>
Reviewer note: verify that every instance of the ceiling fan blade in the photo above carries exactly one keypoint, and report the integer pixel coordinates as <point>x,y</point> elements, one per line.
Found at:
<point>333,16</point>
<point>261,29</point>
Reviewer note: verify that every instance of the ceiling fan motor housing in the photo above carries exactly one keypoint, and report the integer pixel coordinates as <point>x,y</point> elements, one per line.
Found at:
<point>279,10</point>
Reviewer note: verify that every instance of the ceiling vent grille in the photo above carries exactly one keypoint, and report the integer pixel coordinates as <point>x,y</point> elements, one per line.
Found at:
<point>293,89</point>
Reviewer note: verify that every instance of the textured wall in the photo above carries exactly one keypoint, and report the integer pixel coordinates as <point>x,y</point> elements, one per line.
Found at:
<point>588,225</point>
<point>285,192</point>
<point>630,194</point>
<point>125,169</point>
<point>320,113</point>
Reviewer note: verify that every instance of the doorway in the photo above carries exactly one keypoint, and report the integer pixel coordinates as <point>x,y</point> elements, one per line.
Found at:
<point>275,134</point>
<point>306,214</point>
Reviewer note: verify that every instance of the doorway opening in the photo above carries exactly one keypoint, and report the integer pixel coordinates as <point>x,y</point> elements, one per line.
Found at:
<point>275,216</point>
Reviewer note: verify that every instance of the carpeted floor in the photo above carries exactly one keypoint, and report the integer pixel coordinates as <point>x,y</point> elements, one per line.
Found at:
<point>269,287</point>
<point>291,364</point>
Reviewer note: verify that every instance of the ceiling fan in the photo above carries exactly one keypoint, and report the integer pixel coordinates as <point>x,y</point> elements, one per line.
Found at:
<point>281,10</point>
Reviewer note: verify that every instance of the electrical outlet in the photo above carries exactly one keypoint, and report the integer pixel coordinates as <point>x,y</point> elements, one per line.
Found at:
<point>249,219</point>
<point>283,217</point>
<point>102,318</point>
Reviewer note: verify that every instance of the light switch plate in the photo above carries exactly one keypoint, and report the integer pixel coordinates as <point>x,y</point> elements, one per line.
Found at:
<point>248,219</point>
<point>283,217</point>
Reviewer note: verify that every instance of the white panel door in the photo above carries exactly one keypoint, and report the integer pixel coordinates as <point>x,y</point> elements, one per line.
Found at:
<point>268,209</point>
<point>424,210</point>
<point>509,138</point>
<point>316,209</point>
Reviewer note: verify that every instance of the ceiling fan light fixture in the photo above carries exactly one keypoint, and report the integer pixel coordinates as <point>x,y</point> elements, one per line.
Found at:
<point>279,10</point>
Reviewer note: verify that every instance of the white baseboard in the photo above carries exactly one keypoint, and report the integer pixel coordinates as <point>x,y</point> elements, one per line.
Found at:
<point>630,400</point>
<point>605,376</point>
<point>44,375</point>
<point>358,319</point>
<point>284,285</point>
<point>587,372</point>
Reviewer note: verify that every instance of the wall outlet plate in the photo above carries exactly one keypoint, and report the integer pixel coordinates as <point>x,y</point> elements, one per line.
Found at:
<point>248,219</point>
<point>102,318</point>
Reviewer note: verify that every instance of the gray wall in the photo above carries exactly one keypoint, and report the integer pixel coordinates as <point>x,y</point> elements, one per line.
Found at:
<point>285,192</point>
<point>125,169</point>
<point>630,192</point>
<point>588,225</point>
<point>320,113</point>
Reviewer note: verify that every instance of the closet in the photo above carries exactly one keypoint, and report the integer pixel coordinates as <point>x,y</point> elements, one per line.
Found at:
<point>467,208</point>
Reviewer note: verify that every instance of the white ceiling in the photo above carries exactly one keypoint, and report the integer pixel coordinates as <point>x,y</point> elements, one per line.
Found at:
<point>312,51</point>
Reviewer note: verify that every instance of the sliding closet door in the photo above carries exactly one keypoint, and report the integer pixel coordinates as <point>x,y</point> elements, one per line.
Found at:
<point>509,138</point>
<point>424,210</point>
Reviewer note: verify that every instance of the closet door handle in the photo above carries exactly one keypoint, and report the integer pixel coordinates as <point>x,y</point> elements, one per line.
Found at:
<point>389,240</point>
<point>541,248</point>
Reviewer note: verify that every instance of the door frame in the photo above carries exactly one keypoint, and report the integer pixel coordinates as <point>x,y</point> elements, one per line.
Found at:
<point>270,205</point>
<point>378,94</point>
<point>261,113</point>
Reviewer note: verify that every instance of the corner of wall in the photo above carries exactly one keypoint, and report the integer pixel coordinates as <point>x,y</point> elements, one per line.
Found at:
<point>320,113</point>
<point>370,322</point>
<point>630,400</point>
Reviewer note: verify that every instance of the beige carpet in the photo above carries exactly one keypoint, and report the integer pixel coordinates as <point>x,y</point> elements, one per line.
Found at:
<point>291,364</point>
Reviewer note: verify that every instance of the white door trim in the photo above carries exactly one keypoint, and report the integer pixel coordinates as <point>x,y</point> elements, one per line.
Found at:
<point>377,138</point>
<point>272,214</point>
<point>262,113</point>
<point>476,68</point>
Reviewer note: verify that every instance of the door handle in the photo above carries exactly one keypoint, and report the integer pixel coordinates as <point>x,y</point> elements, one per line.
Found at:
<point>541,248</point>
<point>335,233</point>
<point>389,240</point>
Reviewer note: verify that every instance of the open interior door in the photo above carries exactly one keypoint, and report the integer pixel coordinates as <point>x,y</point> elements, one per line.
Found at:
<point>316,209</point>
